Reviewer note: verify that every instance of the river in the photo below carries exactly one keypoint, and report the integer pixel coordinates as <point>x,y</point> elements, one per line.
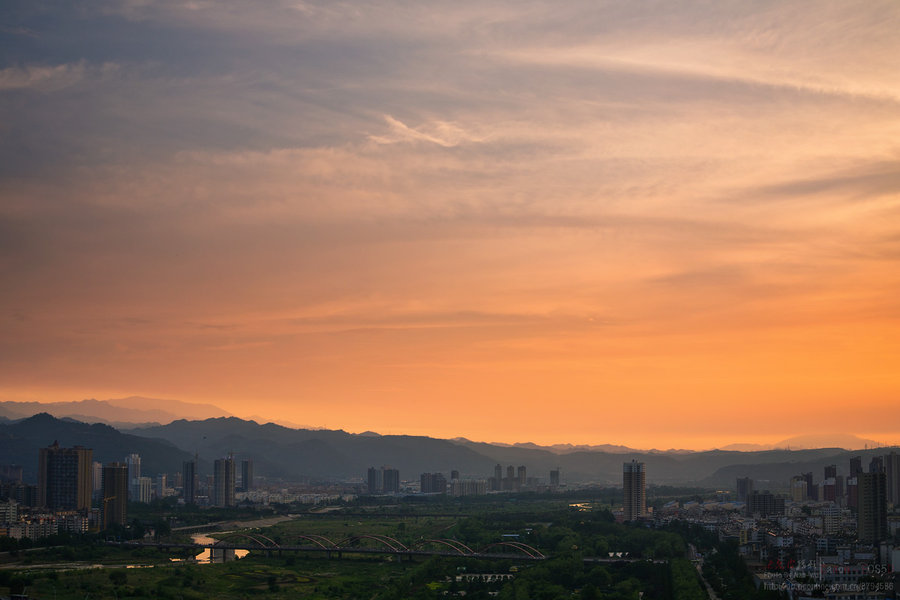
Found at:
<point>212,555</point>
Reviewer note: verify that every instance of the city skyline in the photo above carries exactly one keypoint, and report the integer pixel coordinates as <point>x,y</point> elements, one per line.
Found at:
<point>666,227</point>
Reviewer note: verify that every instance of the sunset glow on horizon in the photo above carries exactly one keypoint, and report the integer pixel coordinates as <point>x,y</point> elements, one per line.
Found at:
<point>660,225</point>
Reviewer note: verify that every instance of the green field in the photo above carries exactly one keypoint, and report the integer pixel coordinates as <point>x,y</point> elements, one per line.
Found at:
<point>565,534</point>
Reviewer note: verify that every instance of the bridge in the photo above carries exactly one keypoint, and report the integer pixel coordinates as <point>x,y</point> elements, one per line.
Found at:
<point>352,545</point>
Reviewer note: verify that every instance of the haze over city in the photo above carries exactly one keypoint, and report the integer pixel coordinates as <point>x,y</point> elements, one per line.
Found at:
<point>665,225</point>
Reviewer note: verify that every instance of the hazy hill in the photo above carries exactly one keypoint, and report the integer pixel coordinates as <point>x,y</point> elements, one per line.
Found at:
<point>328,454</point>
<point>789,463</point>
<point>662,467</point>
<point>844,441</point>
<point>298,454</point>
<point>563,448</point>
<point>279,451</point>
<point>20,442</point>
<point>295,453</point>
<point>119,412</point>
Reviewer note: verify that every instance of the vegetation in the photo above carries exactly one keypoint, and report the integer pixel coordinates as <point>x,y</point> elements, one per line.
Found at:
<point>723,567</point>
<point>589,556</point>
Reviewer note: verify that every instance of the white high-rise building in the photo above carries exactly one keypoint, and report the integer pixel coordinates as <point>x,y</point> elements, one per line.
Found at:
<point>96,477</point>
<point>144,488</point>
<point>134,476</point>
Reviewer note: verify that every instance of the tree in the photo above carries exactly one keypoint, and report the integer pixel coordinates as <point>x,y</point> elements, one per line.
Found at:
<point>161,527</point>
<point>118,577</point>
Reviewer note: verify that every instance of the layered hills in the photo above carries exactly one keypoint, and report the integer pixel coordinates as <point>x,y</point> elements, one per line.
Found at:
<point>21,440</point>
<point>287,454</point>
<point>118,412</point>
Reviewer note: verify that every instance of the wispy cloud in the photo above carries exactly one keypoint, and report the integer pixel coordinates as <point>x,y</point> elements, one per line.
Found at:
<point>42,78</point>
<point>867,183</point>
<point>642,203</point>
<point>441,133</point>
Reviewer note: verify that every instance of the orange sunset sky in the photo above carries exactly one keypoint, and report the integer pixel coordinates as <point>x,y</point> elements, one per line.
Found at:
<point>658,224</point>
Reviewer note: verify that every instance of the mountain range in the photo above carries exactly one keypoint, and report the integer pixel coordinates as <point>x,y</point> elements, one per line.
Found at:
<point>118,412</point>
<point>285,454</point>
<point>810,441</point>
<point>21,440</point>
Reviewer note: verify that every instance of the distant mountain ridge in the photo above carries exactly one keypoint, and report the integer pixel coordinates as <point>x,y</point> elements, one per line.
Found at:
<point>568,448</point>
<point>845,441</point>
<point>282,453</point>
<point>335,454</point>
<point>21,440</point>
<point>118,412</point>
<point>318,454</point>
<point>132,413</point>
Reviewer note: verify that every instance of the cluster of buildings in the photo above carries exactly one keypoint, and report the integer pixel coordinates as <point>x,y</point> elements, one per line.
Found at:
<point>76,494</point>
<point>838,538</point>
<point>62,500</point>
<point>386,480</point>
<point>865,493</point>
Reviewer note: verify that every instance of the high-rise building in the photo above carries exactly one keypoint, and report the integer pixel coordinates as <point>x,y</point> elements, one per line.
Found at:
<point>855,465</point>
<point>96,478</point>
<point>65,477</point>
<point>115,494</point>
<point>744,488</point>
<point>634,479</point>
<point>384,480</point>
<point>134,476</point>
<point>376,480</point>
<point>830,486</point>
<point>831,520</point>
<point>892,473</point>
<point>812,490</point>
<point>223,482</point>
<point>764,504</point>
<point>433,483</point>
<point>454,474</point>
<point>495,483</point>
<point>798,488</point>
<point>189,481</point>
<point>247,474</point>
<point>554,477</point>
<point>468,487</point>
<point>522,476</point>
<point>162,484</point>
<point>391,478</point>
<point>829,489</point>
<point>872,513</point>
<point>144,489</point>
<point>852,491</point>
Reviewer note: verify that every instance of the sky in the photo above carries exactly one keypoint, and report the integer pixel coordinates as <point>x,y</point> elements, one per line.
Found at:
<point>657,224</point>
